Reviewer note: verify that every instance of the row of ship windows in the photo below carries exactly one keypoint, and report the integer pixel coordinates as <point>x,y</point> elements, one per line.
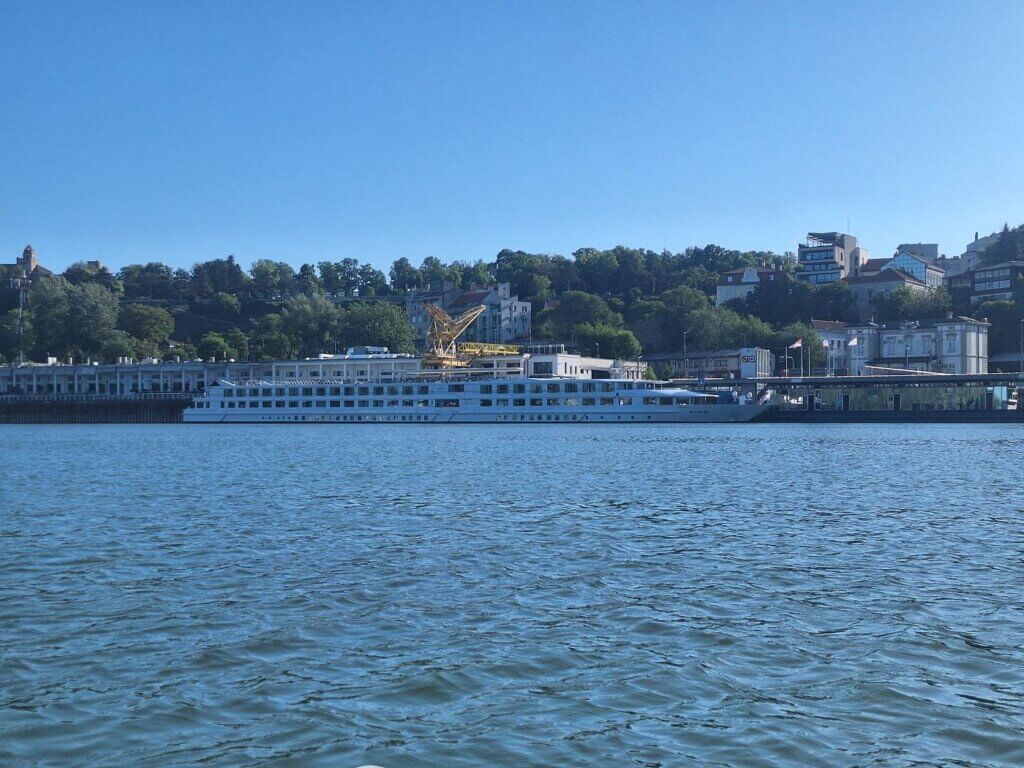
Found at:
<point>416,417</point>
<point>485,389</point>
<point>437,403</point>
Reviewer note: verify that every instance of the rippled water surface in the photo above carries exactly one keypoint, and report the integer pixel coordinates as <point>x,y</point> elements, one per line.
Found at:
<point>511,595</point>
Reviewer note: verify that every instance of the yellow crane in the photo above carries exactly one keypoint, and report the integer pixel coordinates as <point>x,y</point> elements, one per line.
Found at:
<point>443,352</point>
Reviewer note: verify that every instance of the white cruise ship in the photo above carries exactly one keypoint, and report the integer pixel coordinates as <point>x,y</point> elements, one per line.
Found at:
<point>464,400</point>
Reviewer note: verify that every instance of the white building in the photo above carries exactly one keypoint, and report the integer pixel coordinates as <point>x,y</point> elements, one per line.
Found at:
<point>553,360</point>
<point>953,345</point>
<point>740,283</point>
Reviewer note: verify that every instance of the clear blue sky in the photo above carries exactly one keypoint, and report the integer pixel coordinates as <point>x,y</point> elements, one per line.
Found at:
<point>181,131</point>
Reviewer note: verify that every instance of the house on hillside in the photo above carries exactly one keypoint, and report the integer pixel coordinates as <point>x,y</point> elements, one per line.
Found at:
<point>740,283</point>
<point>867,287</point>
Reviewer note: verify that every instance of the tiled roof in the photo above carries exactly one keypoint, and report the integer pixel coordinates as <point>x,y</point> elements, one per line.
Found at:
<point>892,275</point>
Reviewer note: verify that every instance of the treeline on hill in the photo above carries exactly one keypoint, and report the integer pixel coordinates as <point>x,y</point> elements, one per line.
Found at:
<point>615,302</point>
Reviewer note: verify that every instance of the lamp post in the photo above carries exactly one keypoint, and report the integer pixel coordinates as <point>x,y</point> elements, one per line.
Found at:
<point>686,363</point>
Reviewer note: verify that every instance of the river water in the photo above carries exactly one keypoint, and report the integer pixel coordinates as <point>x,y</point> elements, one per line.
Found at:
<point>748,595</point>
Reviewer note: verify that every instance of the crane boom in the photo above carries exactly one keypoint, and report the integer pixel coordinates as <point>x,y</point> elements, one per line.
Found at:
<point>443,332</point>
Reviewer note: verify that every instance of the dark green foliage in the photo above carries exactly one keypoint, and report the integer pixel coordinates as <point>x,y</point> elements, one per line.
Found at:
<point>152,324</point>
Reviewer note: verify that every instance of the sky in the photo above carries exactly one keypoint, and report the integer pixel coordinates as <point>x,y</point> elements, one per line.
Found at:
<point>306,131</point>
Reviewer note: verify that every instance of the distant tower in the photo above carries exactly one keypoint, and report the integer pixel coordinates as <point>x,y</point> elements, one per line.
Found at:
<point>28,261</point>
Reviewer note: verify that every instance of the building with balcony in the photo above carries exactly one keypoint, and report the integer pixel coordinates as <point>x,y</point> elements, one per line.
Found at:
<point>505,319</point>
<point>993,282</point>
<point>828,257</point>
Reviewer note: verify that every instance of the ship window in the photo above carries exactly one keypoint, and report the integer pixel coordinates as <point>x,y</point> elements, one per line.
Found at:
<point>571,401</point>
<point>364,390</point>
<point>446,403</point>
<point>241,403</point>
<point>293,391</point>
<point>588,387</point>
<point>335,391</point>
<point>378,390</point>
<point>349,391</point>
<point>378,403</point>
<point>486,389</point>
<point>350,403</point>
<point>588,401</point>
<point>536,401</point>
<point>501,403</point>
<point>321,391</point>
<point>227,393</point>
<point>321,403</point>
<point>407,403</point>
<point>293,403</point>
<point>536,388</point>
<point>266,392</point>
<point>307,391</point>
<point>406,390</point>
<point>503,389</point>
<point>364,403</point>
<point>392,390</point>
<point>392,403</point>
<point>231,404</point>
<point>422,403</point>
<point>423,390</point>
<point>267,404</point>
<point>519,402</point>
<point>456,388</point>
<point>572,388</point>
<point>554,388</point>
<point>485,403</point>
<point>519,389</point>
<point>279,404</point>
<point>607,401</point>
<point>307,403</point>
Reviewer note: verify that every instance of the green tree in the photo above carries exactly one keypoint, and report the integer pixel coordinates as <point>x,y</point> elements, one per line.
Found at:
<point>372,282</point>
<point>91,318</point>
<point>146,323</point>
<point>1009,246</point>
<point>577,307</point>
<point>270,341</point>
<point>272,279</point>
<point>377,324</point>
<point>213,346</point>
<point>9,335</point>
<point>1005,329</point>
<point>607,341</point>
<point>238,342</point>
<point>307,281</point>
<point>597,269</point>
<point>225,306</point>
<point>82,272</point>
<point>147,281</point>
<point>433,271</point>
<point>50,302</point>
<point>313,322</point>
<point>404,276</point>
<point>218,276</point>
